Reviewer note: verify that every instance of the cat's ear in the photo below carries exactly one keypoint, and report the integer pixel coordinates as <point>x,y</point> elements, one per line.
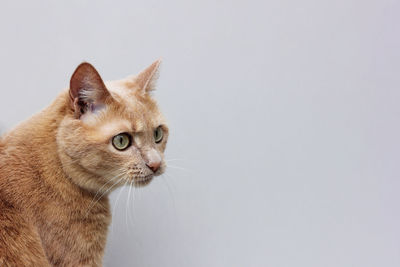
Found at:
<point>146,80</point>
<point>87,90</point>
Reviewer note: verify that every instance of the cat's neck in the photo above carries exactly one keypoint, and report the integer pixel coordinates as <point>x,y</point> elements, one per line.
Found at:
<point>34,144</point>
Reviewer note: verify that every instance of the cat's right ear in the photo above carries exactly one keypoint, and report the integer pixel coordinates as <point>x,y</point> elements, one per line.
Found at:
<point>87,90</point>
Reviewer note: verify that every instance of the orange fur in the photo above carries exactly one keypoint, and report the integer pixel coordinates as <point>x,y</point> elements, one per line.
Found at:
<point>57,168</point>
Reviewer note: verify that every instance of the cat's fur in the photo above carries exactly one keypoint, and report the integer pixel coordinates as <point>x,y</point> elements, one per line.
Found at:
<point>56,166</point>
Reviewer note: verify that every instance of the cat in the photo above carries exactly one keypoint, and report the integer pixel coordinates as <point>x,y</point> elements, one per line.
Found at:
<point>57,168</point>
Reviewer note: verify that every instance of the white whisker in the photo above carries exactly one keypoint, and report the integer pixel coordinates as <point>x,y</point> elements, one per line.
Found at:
<point>94,200</point>
<point>170,193</point>
<point>178,168</point>
<point>115,203</point>
<point>129,209</point>
<point>167,160</point>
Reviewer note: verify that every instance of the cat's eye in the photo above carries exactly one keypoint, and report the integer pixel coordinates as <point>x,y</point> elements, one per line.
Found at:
<point>158,134</point>
<point>121,141</point>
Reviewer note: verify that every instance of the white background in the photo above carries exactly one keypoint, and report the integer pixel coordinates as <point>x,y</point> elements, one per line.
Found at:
<point>284,119</point>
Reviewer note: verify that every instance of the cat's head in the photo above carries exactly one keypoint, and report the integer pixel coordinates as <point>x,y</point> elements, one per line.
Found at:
<point>114,132</point>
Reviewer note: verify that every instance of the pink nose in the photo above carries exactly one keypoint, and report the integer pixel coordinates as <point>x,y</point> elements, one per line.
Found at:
<point>154,165</point>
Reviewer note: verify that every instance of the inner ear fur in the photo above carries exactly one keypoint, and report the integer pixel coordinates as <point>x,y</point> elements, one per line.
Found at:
<point>146,79</point>
<point>87,89</point>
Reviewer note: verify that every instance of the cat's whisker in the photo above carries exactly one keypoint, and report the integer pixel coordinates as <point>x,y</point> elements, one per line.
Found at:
<point>109,181</point>
<point>129,219</point>
<point>129,201</point>
<point>177,159</point>
<point>118,177</point>
<point>168,175</point>
<point>169,191</point>
<point>133,203</point>
<point>115,204</point>
<point>178,168</point>
<point>98,191</point>
<point>171,178</point>
<point>94,201</point>
<point>127,205</point>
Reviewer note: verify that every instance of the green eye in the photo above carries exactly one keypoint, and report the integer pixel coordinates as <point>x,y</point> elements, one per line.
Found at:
<point>121,141</point>
<point>158,134</point>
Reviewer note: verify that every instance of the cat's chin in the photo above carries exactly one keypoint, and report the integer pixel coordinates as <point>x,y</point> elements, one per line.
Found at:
<point>142,181</point>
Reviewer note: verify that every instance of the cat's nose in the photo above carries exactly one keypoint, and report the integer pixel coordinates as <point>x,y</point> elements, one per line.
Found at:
<point>152,159</point>
<point>154,165</point>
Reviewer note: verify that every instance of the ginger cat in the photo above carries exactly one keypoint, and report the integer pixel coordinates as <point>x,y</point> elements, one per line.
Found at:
<point>57,168</point>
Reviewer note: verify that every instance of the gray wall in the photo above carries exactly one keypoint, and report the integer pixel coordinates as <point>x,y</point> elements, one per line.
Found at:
<point>284,118</point>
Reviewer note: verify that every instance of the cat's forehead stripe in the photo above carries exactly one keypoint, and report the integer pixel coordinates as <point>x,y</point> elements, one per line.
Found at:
<point>121,91</point>
<point>139,126</point>
<point>114,127</point>
<point>141,115</point>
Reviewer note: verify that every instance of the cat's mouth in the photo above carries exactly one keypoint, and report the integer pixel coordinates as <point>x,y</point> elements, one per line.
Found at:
<point>143,180</point>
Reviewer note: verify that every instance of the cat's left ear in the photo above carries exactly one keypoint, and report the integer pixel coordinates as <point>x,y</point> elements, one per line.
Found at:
<point>146,80</point>
<point>87,90</point>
